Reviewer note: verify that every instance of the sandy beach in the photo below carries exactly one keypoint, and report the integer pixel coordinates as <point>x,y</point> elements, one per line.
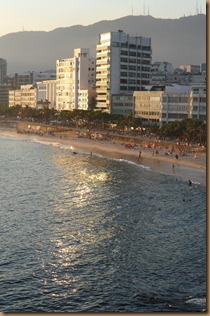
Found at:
<point>189,166</point>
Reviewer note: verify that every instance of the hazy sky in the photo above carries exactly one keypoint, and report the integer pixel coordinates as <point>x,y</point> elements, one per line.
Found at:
<point>46,15</point>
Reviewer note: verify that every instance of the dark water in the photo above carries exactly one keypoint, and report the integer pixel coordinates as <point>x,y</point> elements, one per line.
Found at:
<point>89,234</point>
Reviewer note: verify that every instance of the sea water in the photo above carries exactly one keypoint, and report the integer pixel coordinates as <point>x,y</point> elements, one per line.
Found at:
<point>82,233</point>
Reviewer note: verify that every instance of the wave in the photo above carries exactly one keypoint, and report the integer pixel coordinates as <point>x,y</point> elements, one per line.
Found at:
<point>198,301</point>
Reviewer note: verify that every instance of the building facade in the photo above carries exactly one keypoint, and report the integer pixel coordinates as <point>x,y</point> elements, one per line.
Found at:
<point>193,69</point>
<point>3,70</point>
<point>175,104</point>
<point>148,105</point>
<point>46,90</point>
<point>198,102</point>
<point>25,96</point>
<point>123,66</point>
<point>4,94</point>
<point>170,103</point>
<point>75,81</point>
<point>122,104</point>
<point>162,67</point>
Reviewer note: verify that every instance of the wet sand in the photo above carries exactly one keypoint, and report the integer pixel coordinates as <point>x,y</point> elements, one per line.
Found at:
<point>185,167</point>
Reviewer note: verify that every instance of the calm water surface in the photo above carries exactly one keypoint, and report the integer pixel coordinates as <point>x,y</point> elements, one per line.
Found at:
<point>89,234</point>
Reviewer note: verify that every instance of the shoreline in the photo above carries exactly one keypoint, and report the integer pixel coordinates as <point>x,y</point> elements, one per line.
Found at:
<point>185,167</point>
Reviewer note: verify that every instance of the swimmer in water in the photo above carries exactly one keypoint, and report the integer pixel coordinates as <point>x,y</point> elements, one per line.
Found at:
<point>190,183</point>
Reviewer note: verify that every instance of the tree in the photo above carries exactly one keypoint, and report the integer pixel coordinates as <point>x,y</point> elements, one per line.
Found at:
<point>45,111</point>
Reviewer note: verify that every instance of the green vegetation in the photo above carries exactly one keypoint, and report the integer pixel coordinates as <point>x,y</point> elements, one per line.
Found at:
<point>188,130</point>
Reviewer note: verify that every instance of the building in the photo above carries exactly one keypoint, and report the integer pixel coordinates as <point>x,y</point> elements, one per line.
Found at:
<point>25,96</point>
<point>4,85</point>
<point>162,67</point>
<point>122,104</point>
<point>123,66</point>
<point>43,75</point>
<point>3,70</point>
<point>75,81</point>
<point>165,104</point>
<point>193,69</point>
<point>175,104</point>
<point>46,90</point>
<point>14,97</point>
<point>30,77</point>
<point>148,105</point>
<point>22,79</point>
<point>4,94</point>
<point>198,102</point>
<point>203,68</point>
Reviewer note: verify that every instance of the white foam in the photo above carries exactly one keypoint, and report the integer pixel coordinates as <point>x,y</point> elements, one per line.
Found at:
<point>197,301</point>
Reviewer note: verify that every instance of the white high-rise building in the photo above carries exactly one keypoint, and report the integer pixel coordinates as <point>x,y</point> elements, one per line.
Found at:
<point>75,81</point>
<point>123,66</point>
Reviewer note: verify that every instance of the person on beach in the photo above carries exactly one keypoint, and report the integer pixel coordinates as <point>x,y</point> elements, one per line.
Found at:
<point>139,156</point>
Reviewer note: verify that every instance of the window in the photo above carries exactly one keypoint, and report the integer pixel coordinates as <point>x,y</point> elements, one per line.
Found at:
<point>124,52</point>
<point>132,68</point>
<point>115,44</point>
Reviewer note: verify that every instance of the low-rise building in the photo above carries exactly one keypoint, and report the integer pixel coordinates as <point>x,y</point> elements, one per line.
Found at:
<point>198,102</point>
<point>148,105</point>
<point>193,69</point>
<point>25,96</point>
<point>175,104</point>
<point>170,103</point>
<point>122,104</point>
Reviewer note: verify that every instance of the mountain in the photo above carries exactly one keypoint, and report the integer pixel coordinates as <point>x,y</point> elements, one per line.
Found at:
<point>178,41</point>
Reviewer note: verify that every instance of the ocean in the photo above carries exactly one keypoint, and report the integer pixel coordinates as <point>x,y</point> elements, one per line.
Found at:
<point>83,233</point>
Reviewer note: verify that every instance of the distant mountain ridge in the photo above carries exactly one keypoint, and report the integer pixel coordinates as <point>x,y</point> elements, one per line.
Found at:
<point>178,41</point>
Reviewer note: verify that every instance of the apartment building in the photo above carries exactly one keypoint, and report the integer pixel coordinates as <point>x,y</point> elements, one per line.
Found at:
<point>3,70</point>
<point>25,96</point>
<point>170,103</point>
<point>46,90</point>
<point>148,105</point>
<point>194,69</point>
<point>175,104</point>
<point>122,104</point>
<point>162,67</point>
<point>123,66</point>
<point>4,94</point>
<point>198,102</point>
<point>75,81</point>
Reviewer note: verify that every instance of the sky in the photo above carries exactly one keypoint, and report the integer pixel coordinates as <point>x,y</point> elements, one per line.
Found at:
<point>47,15</point>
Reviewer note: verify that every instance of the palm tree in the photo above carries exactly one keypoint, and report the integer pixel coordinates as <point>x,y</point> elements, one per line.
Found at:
<point>45,110</point>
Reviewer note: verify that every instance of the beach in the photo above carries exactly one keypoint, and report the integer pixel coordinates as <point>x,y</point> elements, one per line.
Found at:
<point>190,165</point>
